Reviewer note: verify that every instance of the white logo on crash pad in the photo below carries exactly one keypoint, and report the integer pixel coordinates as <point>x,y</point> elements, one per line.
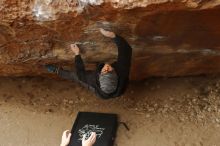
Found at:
<point>88,129</point>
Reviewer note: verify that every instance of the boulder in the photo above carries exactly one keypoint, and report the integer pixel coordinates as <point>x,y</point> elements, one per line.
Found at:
<point>169,38</point>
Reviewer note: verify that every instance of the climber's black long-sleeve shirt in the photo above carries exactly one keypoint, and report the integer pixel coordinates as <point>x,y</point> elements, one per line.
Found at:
<point>90,79</point>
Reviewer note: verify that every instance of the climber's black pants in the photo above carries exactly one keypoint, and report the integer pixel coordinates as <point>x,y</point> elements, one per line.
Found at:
<point>85,78</point>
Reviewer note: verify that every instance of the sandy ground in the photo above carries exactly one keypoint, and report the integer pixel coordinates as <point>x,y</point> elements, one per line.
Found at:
<point>159,112</point>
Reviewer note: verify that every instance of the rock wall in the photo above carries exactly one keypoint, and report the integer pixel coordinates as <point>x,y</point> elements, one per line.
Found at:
<point>169,38</point>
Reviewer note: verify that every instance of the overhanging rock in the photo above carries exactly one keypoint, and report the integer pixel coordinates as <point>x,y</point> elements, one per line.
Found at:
<point>169,38</point>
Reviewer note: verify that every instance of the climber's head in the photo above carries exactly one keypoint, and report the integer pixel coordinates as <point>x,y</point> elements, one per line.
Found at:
<point>108,79</point>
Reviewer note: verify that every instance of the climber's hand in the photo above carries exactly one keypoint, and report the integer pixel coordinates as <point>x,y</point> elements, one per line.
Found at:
<point>106,33</point>
<point>75,49</point>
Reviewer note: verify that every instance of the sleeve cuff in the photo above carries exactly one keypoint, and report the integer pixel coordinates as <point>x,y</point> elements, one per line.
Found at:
<point>77,55</point>
<point>116,38</point>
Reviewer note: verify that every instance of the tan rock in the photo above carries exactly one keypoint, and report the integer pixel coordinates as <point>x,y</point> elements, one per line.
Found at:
<point>168,38</point>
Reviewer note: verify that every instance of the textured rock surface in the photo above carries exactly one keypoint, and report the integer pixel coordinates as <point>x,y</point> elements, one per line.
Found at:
<point>170,38</point>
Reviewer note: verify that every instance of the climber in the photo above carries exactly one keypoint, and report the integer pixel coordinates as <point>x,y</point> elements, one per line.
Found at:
<point>108,80</point>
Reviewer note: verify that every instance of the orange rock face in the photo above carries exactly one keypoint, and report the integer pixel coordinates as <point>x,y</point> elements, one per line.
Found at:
<point>169,38</point>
